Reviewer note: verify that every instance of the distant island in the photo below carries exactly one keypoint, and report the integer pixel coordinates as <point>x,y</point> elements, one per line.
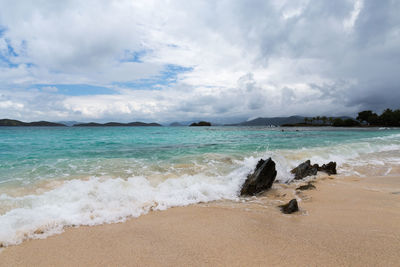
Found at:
<point>16,123</point>
<point>113,124</point>
<point>175,124</point>
<point>69,123</point>
<point>201,123</point>
<point>270,121</point>
<point>8,122</point>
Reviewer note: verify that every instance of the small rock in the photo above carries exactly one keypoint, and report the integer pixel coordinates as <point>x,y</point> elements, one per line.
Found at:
<point>329,168</point>
<point>308,186</point>
<point>290,207</point>
<point>305,169</point>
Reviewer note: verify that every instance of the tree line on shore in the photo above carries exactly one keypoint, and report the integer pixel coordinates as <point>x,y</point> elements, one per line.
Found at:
<point>388,117</point>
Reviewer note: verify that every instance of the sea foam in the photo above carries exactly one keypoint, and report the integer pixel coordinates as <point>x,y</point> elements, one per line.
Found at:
<point>101,200</point>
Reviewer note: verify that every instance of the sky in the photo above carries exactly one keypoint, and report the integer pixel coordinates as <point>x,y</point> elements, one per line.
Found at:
<point>224,61</point>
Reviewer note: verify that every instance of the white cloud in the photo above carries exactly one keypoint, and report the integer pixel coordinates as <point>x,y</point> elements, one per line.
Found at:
<point>10,105</point>
<point>246,59</point>
<point>349,22</point>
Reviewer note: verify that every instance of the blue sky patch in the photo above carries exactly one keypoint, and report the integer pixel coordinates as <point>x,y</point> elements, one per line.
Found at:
<point>2,31</point>
<point>5,56</point>
<point>4,59</point>
<point>11,51</point>
<point>134,56</point>
<point>167,77</point>
<point>79,89</point>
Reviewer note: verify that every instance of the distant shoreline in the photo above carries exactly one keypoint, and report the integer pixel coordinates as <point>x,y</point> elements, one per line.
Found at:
<point>17,123</point>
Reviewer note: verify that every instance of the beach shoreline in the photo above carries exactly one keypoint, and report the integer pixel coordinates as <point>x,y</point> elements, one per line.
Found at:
<point>344,221</point>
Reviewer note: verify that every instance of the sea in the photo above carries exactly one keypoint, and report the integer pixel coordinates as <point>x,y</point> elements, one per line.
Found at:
<point>57,177</point>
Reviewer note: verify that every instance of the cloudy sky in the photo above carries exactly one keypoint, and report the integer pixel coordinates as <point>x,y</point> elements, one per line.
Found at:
<point>225,61</point>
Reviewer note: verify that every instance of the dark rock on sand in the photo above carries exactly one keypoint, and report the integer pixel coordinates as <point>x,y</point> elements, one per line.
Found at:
<point>329,168</point>
<point>308,186</point>
<point>290,207</point>
<point>261,179</point>
<point>305,169</point>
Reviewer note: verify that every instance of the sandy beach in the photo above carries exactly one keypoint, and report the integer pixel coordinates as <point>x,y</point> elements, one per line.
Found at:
<point>345,221</point>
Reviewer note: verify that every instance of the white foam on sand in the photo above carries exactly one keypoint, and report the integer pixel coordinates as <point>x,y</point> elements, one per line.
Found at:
<point>100,200</point>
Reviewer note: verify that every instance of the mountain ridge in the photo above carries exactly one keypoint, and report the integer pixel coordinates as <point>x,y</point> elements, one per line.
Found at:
<point>17,123</point>
<point>116,124</point>
<point>276,121</point>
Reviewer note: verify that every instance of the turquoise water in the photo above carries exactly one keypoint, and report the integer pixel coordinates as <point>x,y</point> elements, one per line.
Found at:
<point>54,177</point>
<point>29,154</point>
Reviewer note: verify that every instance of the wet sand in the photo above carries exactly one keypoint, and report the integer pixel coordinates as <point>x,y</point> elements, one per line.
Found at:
<point>345,221</point>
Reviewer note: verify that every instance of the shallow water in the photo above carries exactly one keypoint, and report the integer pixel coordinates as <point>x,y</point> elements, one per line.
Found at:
<point>56,177</point>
